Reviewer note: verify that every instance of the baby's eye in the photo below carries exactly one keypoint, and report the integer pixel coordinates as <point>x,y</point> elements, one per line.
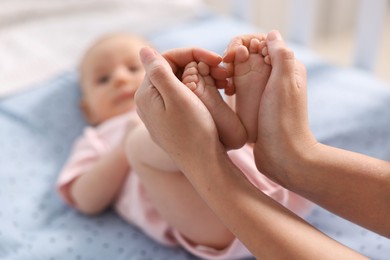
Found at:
<point>134,68</point>
<point>103,79</point>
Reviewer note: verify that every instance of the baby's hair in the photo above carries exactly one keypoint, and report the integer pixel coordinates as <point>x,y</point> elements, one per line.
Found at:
<point>103,39</point>
<point>107,37</point>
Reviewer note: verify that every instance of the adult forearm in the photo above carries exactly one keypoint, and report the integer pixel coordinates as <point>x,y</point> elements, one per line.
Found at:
<point>352,185</point>
<point>269,230</point>
<point>94,191</point>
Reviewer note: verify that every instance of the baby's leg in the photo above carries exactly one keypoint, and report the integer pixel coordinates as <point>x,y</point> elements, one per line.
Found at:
<point>230,129</point>
<point>251,74</point>
<point>172,194</point>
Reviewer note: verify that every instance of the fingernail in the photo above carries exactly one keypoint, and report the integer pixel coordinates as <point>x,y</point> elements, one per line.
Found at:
<point>147,54</point>
<point>274,35</point>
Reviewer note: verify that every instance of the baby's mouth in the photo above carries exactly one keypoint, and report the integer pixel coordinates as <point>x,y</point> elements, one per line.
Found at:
<point>124,95</point>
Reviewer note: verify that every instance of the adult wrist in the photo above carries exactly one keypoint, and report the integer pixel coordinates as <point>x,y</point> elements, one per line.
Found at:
<point>300,165</point>
<point>288,161</point>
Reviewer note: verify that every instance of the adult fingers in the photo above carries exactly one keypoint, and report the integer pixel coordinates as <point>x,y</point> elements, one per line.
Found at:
<point>159,73</point>
<point>179,58</point>
<point>282,58</point>
<point>147,93</point>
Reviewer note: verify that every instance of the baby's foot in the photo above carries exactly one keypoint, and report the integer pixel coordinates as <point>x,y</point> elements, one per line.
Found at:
<point>251,73</point>
<point>197,78</point>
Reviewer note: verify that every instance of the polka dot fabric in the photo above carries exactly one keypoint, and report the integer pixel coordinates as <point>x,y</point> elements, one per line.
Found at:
<point>36,134</point>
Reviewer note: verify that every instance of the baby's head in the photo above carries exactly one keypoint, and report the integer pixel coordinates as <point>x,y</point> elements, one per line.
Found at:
<point>110,73</point>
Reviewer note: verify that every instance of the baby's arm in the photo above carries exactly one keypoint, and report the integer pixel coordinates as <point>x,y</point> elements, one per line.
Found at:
<point>230,129</point>
<point>94,190</point>
<point>94,174</point>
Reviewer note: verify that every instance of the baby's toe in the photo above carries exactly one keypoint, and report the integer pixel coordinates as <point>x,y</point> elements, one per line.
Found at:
<point>190,65</point>
<point>267,60</point>
<point>191,78</point>
<point>189,72</point>
<point>264,52</point>
<point>242,54</point>
<point>203,69</point>
<point>191,85</point>
<point>254,45</point>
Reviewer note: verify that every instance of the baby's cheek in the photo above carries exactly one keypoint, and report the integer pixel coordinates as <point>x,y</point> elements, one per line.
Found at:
<point>140,78</point>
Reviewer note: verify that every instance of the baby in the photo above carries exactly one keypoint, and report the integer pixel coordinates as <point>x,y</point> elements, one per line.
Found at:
<point>116,163</point>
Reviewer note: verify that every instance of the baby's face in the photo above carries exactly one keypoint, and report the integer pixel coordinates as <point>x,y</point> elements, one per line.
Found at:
<point>111,72</point>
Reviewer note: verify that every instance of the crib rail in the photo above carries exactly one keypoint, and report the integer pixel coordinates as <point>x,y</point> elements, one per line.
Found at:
<point>370,19</point>
<point>370,25</point>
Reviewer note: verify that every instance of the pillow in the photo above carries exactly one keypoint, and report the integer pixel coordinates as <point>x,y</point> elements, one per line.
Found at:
<point>40,38</point>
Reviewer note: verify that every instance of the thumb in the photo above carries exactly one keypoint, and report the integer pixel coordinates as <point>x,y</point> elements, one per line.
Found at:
<point>282,58</point>
<point>158,71</point>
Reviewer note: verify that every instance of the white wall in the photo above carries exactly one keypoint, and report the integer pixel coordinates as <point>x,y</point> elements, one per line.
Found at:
<point>333,28</point>
<point>334,16</point>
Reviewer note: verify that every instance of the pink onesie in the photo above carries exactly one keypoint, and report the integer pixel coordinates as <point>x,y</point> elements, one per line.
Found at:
<point>133,203</point>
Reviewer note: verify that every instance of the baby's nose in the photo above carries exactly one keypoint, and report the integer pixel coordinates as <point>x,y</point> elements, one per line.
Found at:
<point>121,76</point>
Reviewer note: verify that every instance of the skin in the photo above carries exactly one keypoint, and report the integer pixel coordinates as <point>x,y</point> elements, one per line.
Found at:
<point>231,131</point>
<point>167,187</point>
<point>173,195</point>
<point>168,111</point>
<point>111,73</point>
<point>250,75</point>
<point>287,151</point>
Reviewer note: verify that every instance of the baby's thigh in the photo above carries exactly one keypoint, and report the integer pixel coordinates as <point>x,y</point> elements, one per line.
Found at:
<point>182,207</point>
<point>179,204</point>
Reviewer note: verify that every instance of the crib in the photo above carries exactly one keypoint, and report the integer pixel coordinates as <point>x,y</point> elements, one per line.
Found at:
<point>370,23</point>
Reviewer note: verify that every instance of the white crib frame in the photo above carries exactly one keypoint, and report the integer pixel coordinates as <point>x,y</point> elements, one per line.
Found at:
<point>370,25</point>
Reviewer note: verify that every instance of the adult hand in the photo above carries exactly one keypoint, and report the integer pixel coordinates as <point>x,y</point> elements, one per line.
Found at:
<point>283,122</point>
<point>346,183</point>
<point>283,130</point>
<point>176,119</point>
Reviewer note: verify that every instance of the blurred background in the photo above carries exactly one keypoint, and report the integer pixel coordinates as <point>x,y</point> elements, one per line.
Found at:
<point>334,28</point>
<point>41,38</point>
